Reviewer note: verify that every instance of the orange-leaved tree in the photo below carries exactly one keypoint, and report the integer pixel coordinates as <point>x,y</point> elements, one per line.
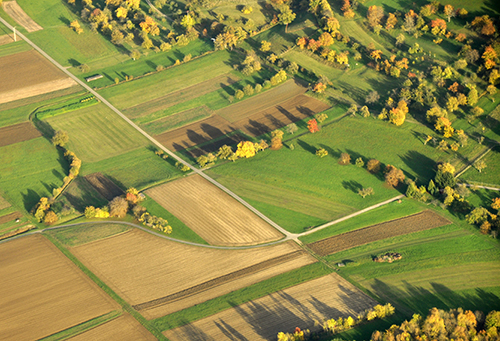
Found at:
<point>312,125</point>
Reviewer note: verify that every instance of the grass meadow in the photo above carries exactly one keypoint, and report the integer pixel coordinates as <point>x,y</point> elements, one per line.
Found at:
<point>278,183</point>
<point>97,133</point>
<point>489,175</point>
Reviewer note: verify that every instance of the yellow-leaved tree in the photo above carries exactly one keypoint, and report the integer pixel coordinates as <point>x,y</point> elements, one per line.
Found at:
<point>245,149</point>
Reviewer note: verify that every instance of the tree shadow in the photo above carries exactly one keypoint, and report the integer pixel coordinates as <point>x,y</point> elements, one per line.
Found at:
<point>256,128</point>
<point>420,164</point>
<point>229,332</point>
<point>211,131</point>
<point>332,152</point>
<point>306,146</point>
<point>352,185</point>
<point>30,199</point>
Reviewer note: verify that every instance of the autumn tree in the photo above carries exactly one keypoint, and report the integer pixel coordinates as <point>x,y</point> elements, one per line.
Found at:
<point>149,26</point>
<point>391,22</point>
<point>359,162</point>
<point>224,152</point>
<point>484,25</point>
<point>478,216</point>
<point>276,139</point>
<point>346,8</point>
<point>291,128</point>
<point>366,191</point>
<point>332,25</point>
<point>393,176</point>
<point>75,25</point>
<point>397,115</point>
<point>344,159</point>
<point>375,15</point>
<point>312,126</point>
<point>60,138</point>
<point>480,165</point>
<point>373,166</point>
<point>449,11</point>
<point>322,152</point>
<point>118,207</point>
<point>265,46</point>
<point>372,97</point>
<point>245,149</point>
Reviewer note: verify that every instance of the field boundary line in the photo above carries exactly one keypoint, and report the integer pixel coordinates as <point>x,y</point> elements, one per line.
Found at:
<point>287,234</point>
<point>235,275</point>
<point>321,227</point>
<point>471,163</point>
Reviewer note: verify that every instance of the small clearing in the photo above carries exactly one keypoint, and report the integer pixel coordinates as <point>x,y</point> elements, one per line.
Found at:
<point>104,186</point>
<point>211,213</point>
<point>19,16</point>
<point>158,268</point>
<point>43,292</point>
<point>18,133</point>
<point>305,306</point>
<point>417,222</point>
<point>123,328</point>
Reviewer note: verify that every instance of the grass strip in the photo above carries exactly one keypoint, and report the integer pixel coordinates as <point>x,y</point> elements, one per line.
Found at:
<point>66,107</point>
<point>82,327</point>
<point>235,298</point>
<point>147,324</point>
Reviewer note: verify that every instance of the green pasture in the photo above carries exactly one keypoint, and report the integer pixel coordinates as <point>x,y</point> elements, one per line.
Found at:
<point>324,180</point>
<point>82,234</point>
<point>177,120</point>
<point>179,229</point>
<point>139,168</point>
<point>96,133</point>
<point>141,90</point>
<point>13,48</point>
<point>391,211</point>
<point>59,40</point>
<point>489,175</point>
<point>30,170</point>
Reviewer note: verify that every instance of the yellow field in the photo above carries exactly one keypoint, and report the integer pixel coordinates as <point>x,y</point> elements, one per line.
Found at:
<point>305,306</point>
<point>43,292</point>
<point>123,328</point>
<point>159,277</point>
<point>211,213</point>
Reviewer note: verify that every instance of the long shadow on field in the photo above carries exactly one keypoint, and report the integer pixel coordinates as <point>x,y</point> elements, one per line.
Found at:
<point>306,146</point>
<point>422,165</point>
<point>257,128</point>
<point>352,185</point>
<point>30,199</point>
<point>195,334</point>
<point>195,137</point>
<point>229,332</point>
<point>211,131</point>
<point>287,113</point>
<point>419,300</point>
<point>276,124</point>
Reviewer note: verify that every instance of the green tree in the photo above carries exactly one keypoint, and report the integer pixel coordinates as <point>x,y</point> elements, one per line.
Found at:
<point>60,138</point>
<point>322,152</point>
<point>286,16</point>
<point>224,152</point>
<point>89,212</point>
<point>366,191</point>
<point>478,216</point>
<point>431,188</point>
<point>444,179</point>
<point>359,162</point>
<point>480,165</point>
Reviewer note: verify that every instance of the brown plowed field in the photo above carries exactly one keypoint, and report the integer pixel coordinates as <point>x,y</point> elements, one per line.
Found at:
<point>214,146</point>
<point>19,16</point>
<point>43,292</point>
<point>10,217</point>
<point>105,187</point>
<point>417,222</point>
<point>123,328</point>
<point>18,133</point>
<point>211,213</point>
<point>156,268</point>
<point>195,133</point>
<point>292,110</point>
<point>180,96</point>
<point>27,74</point>
<point>267,99</point>
<point>302,306</point>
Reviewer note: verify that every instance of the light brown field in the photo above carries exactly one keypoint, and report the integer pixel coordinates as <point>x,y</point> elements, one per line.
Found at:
<point>267,99</point>
<point>7,39</point>
<point>211,213</point>
<point>123,328</point>
<point>19,16</point>
<point>18,133</point>
<point>302,306</point>
<point>417,222</point>
<point>27,74</point>
<point>159,277</point>
<point>43,292</point>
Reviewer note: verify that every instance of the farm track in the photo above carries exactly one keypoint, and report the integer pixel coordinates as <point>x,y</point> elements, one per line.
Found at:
<point>417,222</point>
<point>19,16</point>
<point>18,133</point>
<point>219,281</point>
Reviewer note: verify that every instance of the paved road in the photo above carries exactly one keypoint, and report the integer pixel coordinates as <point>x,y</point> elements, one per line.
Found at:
<point>287,234</point>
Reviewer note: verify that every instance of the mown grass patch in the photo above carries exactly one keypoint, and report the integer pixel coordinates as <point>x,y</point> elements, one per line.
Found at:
<point>83,234</point>
<point>30,170</point>
<point>489,175</point>
<point>241,296</point>
<point>179,229</point>
<point>139,168</point>
<point>96,133</point>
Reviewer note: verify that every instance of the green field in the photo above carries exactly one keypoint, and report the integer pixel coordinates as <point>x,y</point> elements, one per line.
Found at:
<point>489,175</point>
<point>83,234</point>
<point>30,170</point>
<point>324,180</point>
<point>97,133</point>
<point>141,90</point>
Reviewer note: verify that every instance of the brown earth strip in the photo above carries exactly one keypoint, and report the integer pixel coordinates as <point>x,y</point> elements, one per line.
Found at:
<point>417,222</point>
<point>292,110</point>
<point>10,217</point>
<point>219,280</point>
<point>305,305</point>
<point>16,232</point>
<point>180,96</point>
<point>18,133</point>
<point>123,328</point>
<point>195,133</point>
<point>7,39</point>
<point>35,90</point>
<point>19,16</point>
<point>156,267</point>
<point>105,187</point>
<point>214,215</point>
<point>43,292</point>
<point>267,99</point>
